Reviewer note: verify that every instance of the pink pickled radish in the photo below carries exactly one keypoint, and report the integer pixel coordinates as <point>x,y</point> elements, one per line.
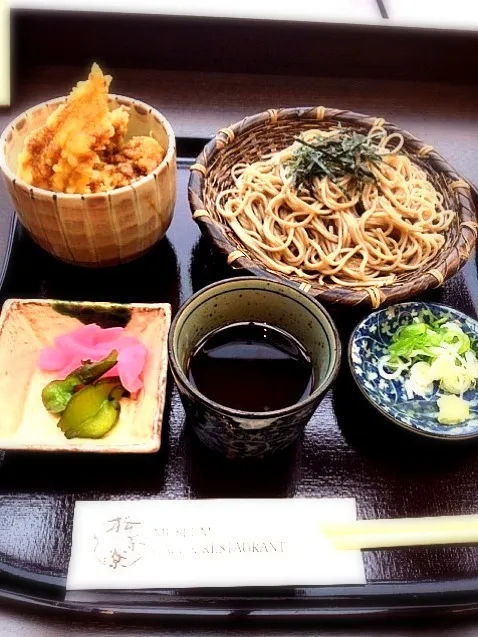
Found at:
<point>131,363</point>
<point>91,342</point>
<point>52,359</point>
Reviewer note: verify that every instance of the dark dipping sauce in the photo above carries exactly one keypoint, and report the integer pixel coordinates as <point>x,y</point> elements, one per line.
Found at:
<point>251,367</point>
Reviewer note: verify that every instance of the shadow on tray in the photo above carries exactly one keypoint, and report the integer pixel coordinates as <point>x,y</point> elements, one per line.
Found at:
<point>33,273</point>
<point>91,475</point>
<point>208,266</point>
<point>210,475</point>
<point>383,442</point>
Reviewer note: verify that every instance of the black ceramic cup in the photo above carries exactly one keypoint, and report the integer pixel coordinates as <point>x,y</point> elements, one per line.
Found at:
<point>243,434</point>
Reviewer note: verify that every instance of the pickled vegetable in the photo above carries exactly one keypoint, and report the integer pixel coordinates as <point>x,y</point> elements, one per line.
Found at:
<point>57,394</point>
<point>98,425</point>
<point>91,342</point>
<point>92,411</point>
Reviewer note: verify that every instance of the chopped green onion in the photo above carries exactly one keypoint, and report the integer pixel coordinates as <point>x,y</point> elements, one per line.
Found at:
<point>431,350</point>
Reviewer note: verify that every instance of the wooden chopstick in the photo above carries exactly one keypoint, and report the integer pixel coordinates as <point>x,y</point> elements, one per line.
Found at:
<point>367,534</point>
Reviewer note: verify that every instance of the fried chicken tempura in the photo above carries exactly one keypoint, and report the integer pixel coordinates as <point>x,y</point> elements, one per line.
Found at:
<point>81,147</point>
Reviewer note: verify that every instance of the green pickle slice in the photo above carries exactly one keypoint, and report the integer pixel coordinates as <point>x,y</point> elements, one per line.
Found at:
<point>93,411</point>
<point>57,394</point>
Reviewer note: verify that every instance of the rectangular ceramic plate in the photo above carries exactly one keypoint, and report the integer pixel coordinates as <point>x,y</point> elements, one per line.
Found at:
<point>27,326</point>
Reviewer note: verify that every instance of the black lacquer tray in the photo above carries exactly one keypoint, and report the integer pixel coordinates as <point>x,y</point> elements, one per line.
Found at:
<point>347,450</point>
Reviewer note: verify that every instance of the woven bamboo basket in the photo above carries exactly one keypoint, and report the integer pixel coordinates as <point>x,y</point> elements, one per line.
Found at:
<point>95,230</point>
<point>273,130</point>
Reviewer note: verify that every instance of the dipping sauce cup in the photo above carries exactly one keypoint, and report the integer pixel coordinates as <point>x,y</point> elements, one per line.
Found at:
<point>246,434</point>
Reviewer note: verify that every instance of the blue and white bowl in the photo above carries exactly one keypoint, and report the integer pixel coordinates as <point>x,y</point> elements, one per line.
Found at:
<point>370,341</point>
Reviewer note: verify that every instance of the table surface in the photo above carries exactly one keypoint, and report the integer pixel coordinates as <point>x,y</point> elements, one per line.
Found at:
<point>197,104</point>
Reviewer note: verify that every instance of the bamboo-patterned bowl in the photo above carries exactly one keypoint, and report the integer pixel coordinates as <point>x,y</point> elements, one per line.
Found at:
<point>102,229</point>
<point>253,137</point>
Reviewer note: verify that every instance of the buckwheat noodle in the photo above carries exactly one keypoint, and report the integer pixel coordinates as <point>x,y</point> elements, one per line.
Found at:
<point>337,233</point>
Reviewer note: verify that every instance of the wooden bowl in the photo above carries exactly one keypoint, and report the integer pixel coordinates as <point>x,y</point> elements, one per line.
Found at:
<point>101,229</point>
<point>273,130</point>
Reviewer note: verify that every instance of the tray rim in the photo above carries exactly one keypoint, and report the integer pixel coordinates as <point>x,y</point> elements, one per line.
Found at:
<point>371,601</point>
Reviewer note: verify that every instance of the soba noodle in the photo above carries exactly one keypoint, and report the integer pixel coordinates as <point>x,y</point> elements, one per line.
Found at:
<point>337,232</point>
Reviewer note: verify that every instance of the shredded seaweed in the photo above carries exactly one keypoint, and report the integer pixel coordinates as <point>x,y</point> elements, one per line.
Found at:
<point>347,153</point>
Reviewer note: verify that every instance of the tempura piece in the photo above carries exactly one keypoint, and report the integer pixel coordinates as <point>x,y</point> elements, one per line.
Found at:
<point>60,155</point>
<point>81,148</point>
<point>137,157</point>
<point>119,119</point>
